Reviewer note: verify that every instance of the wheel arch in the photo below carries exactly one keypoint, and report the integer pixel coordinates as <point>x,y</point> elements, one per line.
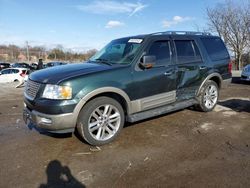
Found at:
<point>216,77</point>
<point>111,92</point>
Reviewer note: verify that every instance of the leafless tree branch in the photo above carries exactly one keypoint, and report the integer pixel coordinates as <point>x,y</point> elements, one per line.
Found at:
<point>232,22</point>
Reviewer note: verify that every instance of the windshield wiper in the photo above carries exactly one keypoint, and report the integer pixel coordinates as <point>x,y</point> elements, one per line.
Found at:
<point>104,61</point>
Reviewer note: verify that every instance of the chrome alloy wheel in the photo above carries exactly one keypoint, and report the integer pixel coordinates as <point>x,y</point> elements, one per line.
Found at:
<point>211,96</point>
<point>104,122</point>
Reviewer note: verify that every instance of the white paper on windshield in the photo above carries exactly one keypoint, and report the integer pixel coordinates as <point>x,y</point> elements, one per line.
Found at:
<point>135,41</point>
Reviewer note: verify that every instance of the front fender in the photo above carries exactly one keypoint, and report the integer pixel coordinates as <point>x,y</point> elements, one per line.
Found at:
<point>101,90</point>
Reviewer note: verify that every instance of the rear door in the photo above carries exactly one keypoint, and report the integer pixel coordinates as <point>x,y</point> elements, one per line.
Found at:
<point>190,67</point>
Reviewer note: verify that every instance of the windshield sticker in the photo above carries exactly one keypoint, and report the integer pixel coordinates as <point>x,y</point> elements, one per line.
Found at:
<point>135,41</point>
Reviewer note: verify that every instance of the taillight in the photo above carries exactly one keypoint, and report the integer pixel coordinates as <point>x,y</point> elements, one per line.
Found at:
<point>230,67</point>
<point>22,74</point>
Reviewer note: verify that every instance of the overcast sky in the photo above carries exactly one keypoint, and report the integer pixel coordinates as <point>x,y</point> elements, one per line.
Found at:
<point>87,24</point>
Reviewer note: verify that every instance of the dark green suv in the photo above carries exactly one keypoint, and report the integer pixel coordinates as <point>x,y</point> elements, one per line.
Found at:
<point>130,79</point>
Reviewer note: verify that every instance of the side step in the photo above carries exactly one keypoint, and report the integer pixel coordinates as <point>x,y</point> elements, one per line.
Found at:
<point>160,110</point>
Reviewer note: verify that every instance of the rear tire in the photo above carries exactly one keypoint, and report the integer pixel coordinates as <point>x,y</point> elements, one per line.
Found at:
<point>208,96</point>
<point>100,121</point>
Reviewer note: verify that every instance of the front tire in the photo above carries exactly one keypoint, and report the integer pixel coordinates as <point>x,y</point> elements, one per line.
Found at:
<point>208,96</point>
<point>100,120</point>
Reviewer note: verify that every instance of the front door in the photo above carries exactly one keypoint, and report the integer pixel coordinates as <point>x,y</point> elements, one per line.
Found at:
<point>155,86</point>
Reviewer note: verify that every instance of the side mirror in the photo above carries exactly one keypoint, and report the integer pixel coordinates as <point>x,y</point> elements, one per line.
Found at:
<point>148,61</point>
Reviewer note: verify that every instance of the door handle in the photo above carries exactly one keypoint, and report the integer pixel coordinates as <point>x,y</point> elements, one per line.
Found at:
<point>202,67</point>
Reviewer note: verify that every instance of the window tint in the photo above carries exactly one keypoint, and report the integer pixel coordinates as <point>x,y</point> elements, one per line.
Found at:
<point>6,71</point>
<point>117,48</point>
<point>14,71</point>
<point>161,50</point>
<point>215,48</point>
<point>120,51</point>
<point>187,51</point>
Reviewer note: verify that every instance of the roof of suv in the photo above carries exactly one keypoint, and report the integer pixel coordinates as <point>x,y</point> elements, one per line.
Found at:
<point>176,33</point>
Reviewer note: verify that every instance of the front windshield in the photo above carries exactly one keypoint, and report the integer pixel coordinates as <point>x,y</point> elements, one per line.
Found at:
<point>120,51</point>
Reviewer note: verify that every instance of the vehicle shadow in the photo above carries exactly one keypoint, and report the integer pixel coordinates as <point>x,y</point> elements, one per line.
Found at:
<point>43,132</point>
<point>129,124</point>
<point>79,137</point>
<point>60,176</point>
<point>57,135</point>
<point>238,105</point>
<point>237,80</point>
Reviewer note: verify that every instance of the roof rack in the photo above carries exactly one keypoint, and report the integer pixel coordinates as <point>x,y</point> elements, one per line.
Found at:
<point>181,33</point>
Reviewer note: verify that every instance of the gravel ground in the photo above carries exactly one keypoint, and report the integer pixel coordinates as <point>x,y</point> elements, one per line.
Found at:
<point>182,149</point>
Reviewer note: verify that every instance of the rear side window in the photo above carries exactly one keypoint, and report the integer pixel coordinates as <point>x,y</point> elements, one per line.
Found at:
<point>187,51</point>
<point>6,71</point>
<point>13,71</point>
<point>216,49</point>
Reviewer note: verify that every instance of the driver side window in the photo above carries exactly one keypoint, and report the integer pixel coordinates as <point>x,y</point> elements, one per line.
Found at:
<point>161,51</point>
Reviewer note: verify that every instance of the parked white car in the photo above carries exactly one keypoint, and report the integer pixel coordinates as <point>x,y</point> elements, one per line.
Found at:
<point>13,74</point>
<point>245,75</point>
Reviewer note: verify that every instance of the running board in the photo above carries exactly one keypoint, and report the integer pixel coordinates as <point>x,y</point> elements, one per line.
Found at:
<point>160,110</point>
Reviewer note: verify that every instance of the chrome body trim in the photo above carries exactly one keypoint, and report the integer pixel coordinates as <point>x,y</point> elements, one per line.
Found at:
<point>132,106</point>
<point>153,101</point>
<point>31,89</point>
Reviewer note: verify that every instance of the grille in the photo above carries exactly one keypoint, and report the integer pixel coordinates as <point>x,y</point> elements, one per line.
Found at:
<point>31,89</point>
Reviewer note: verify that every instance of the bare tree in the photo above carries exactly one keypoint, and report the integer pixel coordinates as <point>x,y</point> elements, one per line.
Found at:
<point>232,22</point>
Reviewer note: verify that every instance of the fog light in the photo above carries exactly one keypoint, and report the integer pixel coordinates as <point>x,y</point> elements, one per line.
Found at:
<point>46,120</point>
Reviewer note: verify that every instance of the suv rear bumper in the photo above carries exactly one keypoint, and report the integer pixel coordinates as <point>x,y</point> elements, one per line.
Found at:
<point>62,123</point>
<point>225,83</point>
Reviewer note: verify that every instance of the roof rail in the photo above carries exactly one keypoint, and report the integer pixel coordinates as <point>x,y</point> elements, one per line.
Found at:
<point>181,33</point>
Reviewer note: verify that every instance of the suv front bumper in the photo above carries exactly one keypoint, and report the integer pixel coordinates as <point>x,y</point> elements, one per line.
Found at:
<point>62,123</point>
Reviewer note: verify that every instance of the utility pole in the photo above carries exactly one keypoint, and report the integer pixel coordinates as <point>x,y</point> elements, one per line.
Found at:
<point>28,55</point>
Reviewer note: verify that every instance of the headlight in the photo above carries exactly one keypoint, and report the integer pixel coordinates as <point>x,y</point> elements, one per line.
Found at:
<point>57,92</point>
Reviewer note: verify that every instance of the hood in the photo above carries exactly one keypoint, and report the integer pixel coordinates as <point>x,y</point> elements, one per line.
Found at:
<point>246,70</point>
<point>57,74</point>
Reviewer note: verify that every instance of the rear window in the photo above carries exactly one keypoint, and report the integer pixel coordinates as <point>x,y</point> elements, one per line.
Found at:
<point>216,49</point>
<point>13,71</point>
